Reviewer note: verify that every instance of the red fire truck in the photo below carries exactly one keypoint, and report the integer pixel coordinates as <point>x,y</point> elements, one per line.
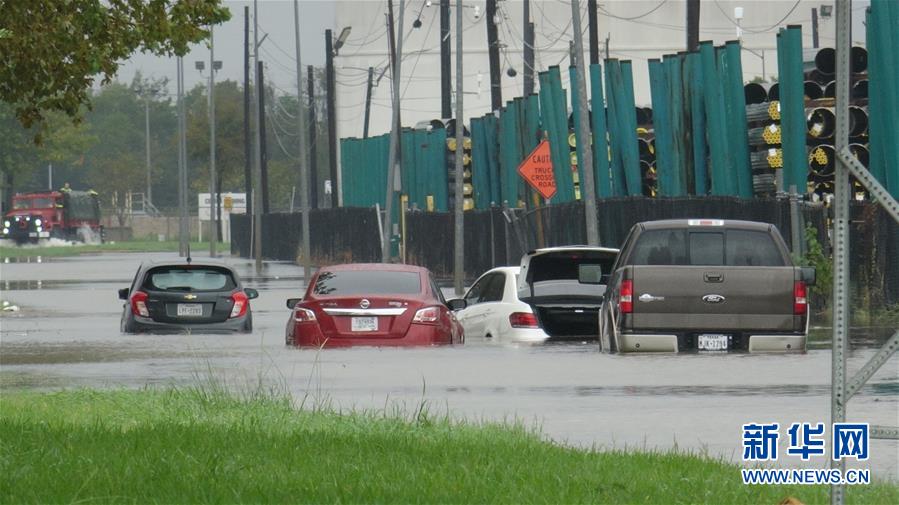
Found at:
<point>66,214</point>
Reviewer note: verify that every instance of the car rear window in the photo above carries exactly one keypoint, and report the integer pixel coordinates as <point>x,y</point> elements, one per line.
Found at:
<point>368,282</point>
<point>189,278</point>
<point>706,248</point>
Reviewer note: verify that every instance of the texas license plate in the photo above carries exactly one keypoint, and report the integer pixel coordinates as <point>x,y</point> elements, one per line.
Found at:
<point>190,309</point>
<point>712,342</point>
<point>364,324</point>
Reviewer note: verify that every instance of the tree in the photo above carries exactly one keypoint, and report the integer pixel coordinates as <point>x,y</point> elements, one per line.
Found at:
<point>52,50</point>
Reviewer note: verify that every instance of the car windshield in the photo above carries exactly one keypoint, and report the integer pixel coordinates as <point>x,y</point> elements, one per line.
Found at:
<point>367,282</point>
<point>192,278</point>
<point>33,203</point>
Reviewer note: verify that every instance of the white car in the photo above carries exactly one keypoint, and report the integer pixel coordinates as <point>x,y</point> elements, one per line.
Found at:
<point>493,310</point>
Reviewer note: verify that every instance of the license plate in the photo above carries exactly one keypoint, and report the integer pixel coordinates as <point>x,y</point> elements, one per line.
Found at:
<point>364,324</point>
<point>190,309</point>
<point>712,342</point>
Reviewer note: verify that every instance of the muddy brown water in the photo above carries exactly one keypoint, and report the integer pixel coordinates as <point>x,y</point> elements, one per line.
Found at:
<point>66,335</point>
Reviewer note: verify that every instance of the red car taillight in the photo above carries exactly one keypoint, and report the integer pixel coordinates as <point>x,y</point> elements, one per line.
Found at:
<point>626,296</point>
<point>523,320</point>
<point>302,315</point>
<point>427,315</point>
<point>800,302</point>
<point>241,302</point>
<point>139,304</point>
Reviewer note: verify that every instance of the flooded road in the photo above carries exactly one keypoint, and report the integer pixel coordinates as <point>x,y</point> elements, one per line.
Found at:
<point>67,335</point>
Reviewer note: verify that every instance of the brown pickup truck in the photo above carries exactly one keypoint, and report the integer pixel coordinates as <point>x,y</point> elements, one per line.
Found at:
<point>705,285</point>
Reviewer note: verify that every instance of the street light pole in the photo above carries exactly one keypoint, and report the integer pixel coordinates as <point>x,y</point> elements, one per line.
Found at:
<point>304,159</point>
<point>213,197</point>
<point>147,125</point>
<point>459,200</point>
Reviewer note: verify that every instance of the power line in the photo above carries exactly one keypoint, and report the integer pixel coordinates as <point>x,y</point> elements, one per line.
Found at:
<point>632,18</point>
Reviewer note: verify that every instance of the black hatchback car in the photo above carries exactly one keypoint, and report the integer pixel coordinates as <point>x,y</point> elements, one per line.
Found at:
<point>186,296</point>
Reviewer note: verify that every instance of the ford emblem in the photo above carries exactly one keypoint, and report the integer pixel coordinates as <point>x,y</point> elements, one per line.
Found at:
<point>364,303</point>
<point>713,299</point>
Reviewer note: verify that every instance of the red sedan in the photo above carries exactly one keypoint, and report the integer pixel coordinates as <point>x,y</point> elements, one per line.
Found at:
<point>373,304</point>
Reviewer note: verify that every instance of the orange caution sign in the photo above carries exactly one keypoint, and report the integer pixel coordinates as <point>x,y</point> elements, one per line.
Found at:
<point>537,170</point>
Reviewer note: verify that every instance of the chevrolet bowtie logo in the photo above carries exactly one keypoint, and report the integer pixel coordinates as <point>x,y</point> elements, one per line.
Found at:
<point>190,297</point>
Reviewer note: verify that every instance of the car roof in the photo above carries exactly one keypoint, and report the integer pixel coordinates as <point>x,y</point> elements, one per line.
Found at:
<point>383,267</point>
<point>182,262</point>
<point>695,222</point>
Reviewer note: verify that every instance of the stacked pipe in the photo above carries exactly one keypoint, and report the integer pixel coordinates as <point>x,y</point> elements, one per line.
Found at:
<point>820,67</point>
<point>451,147</point>
<point>764,133</point>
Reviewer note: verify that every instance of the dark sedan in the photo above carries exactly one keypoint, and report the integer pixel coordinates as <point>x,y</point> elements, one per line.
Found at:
<point>184,295</point>
<point>372,304</point>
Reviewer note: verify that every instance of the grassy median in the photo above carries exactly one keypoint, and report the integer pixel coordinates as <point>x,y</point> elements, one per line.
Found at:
<point>193,446</point>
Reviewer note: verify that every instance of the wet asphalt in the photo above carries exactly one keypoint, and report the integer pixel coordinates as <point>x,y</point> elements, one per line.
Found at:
<point>66,335</point>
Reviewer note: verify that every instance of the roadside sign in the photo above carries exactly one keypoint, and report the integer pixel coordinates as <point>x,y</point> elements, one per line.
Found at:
<point>537,170</point>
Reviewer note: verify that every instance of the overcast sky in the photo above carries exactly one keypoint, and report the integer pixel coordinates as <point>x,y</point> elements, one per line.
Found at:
<point>277,50</point>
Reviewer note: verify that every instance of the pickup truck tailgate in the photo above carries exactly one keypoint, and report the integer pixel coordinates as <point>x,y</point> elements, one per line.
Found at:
<point>710,298</point>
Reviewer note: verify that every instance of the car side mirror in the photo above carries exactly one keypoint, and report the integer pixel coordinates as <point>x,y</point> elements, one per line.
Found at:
<point>123,293</point>
<point>292,302</point>
<point>251,293</point>
<point>809,275</point>
<point>457,304</point>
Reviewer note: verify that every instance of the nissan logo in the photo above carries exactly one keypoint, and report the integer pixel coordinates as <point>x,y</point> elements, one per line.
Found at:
<point>364,303</point>
<point>713,299</point>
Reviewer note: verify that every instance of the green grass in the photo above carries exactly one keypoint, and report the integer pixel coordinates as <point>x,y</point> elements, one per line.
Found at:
<point>196,446</point>
<point>129,246</point>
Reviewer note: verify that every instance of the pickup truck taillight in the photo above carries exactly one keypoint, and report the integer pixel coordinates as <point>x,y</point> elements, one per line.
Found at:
<point>626,297</point>
<point>800,302</point>
<point>523,320</point>
<point>139,304</point>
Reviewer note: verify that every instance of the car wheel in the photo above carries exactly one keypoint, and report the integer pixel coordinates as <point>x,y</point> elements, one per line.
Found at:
<point>289,339</point>
<point>248,324</point>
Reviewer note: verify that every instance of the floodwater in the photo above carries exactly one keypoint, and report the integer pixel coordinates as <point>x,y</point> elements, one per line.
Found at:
<point>66,335</point>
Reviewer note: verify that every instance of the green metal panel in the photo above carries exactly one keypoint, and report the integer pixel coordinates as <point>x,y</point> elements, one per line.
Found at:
<point>578,141</point>
<point>885,138</point>
<point>559,138</point>
<point>661,123</point>
<point>675,83</point>
<point>508,158</point>
<point>435,170</point>
<point>714,107</point>
<point>600,140</point>
<point>697,123</point>
<point>492,138</point>
<point>876,72</point>
<point>737,121</point>
<point>613,68</point>
<point>628,118</point>
<point>727,103</point>
<point>480,178</point>
<point>792,108</point>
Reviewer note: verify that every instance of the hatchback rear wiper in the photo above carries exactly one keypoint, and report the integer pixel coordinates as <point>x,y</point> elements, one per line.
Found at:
<point>179,288</point>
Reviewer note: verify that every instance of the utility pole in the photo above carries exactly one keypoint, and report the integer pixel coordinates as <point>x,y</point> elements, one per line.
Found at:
<point>815,27</point>
<point>371,72</point>
<point>257,177</point>
<point>147,135</point>
<point>594,31</point>
<point>587,188</point>
<point>496,90</point>
<point>247,171</point>
<point>458,224</point>
<point>692,25</point>
<point>304,160</point>
<point>313,126</point>
<point>183,223</point>
<point>332,117</point>
<point>528,50</point>
<point>263,144</point>
<point>393,158</point>
<point>446,90</point>
<point>213,197</point>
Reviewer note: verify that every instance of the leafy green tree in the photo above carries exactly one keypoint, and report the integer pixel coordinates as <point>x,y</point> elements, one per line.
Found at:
<point>52,50</point>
